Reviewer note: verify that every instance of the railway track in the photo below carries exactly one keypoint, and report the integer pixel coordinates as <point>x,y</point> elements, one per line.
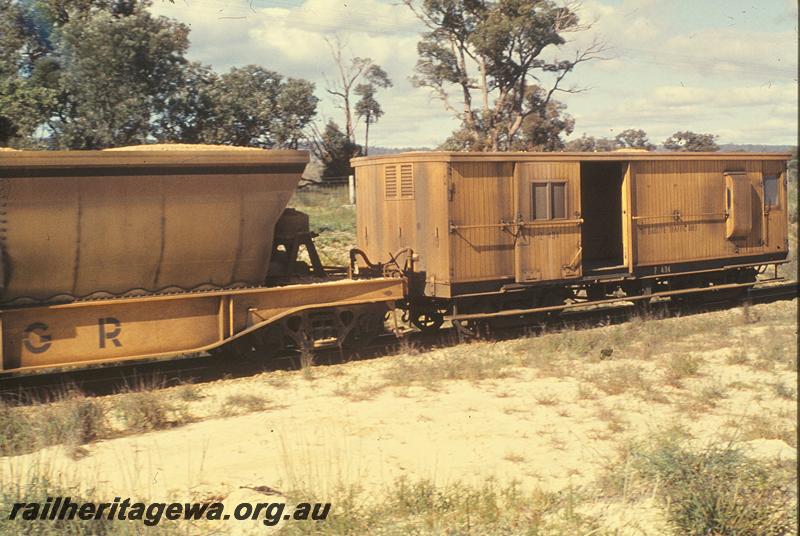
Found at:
<point>770,293</point>
<point>101,380</point>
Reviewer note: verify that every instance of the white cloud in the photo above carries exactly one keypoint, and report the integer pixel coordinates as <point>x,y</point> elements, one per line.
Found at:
<point>722,67</point>
<point>683,96</point>
<point>665,35</point>
<point>744,114</point>
<point>292,41</point>
<point>766,54</point>
<point>235,33</point>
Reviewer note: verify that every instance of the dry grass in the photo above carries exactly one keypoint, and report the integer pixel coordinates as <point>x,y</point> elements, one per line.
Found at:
<point>784,391</point>
<point>190,393</point>
<point>613,419</point>
<point>776,350</point>
<point>546,365</point>
<point>39,482</point>
<point>680,367</point>
<point>514,457</point>
<point>307,364</point>
<point>618,379</point>
<point>70,419</point>
<point>547,399</point>
<point>278,380</point>
<point>144,411</point>
<point>358,392</point>
<point>587,392</point>
<point>73,419</point>
<point>425,507</point>
<point>768,427</point>
<point>714,490</point>
<point>471,362</point>
<point>713,392</point>
<point>737,356</point>
<point>243,403</point>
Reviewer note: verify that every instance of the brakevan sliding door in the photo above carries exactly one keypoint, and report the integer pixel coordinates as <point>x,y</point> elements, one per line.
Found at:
<point>773,186</point>
<point>548,221</point>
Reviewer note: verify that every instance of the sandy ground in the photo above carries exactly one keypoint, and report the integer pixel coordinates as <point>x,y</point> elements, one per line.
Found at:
<point>357,422</point>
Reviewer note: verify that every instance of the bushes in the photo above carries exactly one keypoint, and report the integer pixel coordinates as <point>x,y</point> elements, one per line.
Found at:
<point>714,491</point>
<point>72,420</point>
<point>144,411</point>
<point>426,507</point>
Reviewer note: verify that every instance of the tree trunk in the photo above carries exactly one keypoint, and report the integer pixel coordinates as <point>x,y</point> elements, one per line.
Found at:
<point>469,119</point>
<point>485,90</point>
<point>351,135</point>
<point>366,138</point>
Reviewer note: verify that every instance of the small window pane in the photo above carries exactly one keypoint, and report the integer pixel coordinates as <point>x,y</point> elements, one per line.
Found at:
<point>559,192</point>
<point>771,190</point>
<point>539,201</point>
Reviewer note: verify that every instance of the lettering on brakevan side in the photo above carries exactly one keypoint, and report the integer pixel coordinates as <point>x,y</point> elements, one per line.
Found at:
<point>671,227</point>
<point>38,341</point>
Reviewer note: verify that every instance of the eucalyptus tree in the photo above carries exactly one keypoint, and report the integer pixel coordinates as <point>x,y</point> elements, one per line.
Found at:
<point>493,63</point>
<point>85,74</point>
<point>253,106</point>
<point>352,78</point>
<point>634,138</point>
<point>691,142</point>
<point>116,72</point>
<point>90,74</point>
<point>367,108</point>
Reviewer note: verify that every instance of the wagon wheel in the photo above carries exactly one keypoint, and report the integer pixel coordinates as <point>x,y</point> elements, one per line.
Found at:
<point>269,341</point>
<point>466,330</point>
<point>427,321</point>
<point>242,347</point>
<point>552,298</point>
<point>265,343</point>
<point>366,328</point>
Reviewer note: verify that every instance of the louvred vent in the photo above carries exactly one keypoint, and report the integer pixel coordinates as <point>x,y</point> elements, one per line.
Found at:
<point>407,181</point>
<point>390,181</point>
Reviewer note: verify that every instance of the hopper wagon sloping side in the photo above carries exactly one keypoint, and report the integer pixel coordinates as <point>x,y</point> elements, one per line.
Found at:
<point>117,255</point>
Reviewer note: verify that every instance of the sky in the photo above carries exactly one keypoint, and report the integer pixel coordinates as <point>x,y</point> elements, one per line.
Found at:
<point>726,67</point>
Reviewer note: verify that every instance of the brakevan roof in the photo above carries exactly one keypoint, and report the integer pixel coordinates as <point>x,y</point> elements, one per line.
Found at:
<point>450,156</point>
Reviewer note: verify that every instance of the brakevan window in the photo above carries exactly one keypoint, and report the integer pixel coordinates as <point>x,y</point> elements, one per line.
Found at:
<point>549,200</point>
<point>771,197</point>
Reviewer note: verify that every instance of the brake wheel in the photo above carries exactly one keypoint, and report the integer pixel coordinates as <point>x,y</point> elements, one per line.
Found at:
<point>427,321</point>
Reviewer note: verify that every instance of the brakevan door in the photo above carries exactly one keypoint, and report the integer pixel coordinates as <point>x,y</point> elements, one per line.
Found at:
<point>548,221</point>
<point>773,184</point>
